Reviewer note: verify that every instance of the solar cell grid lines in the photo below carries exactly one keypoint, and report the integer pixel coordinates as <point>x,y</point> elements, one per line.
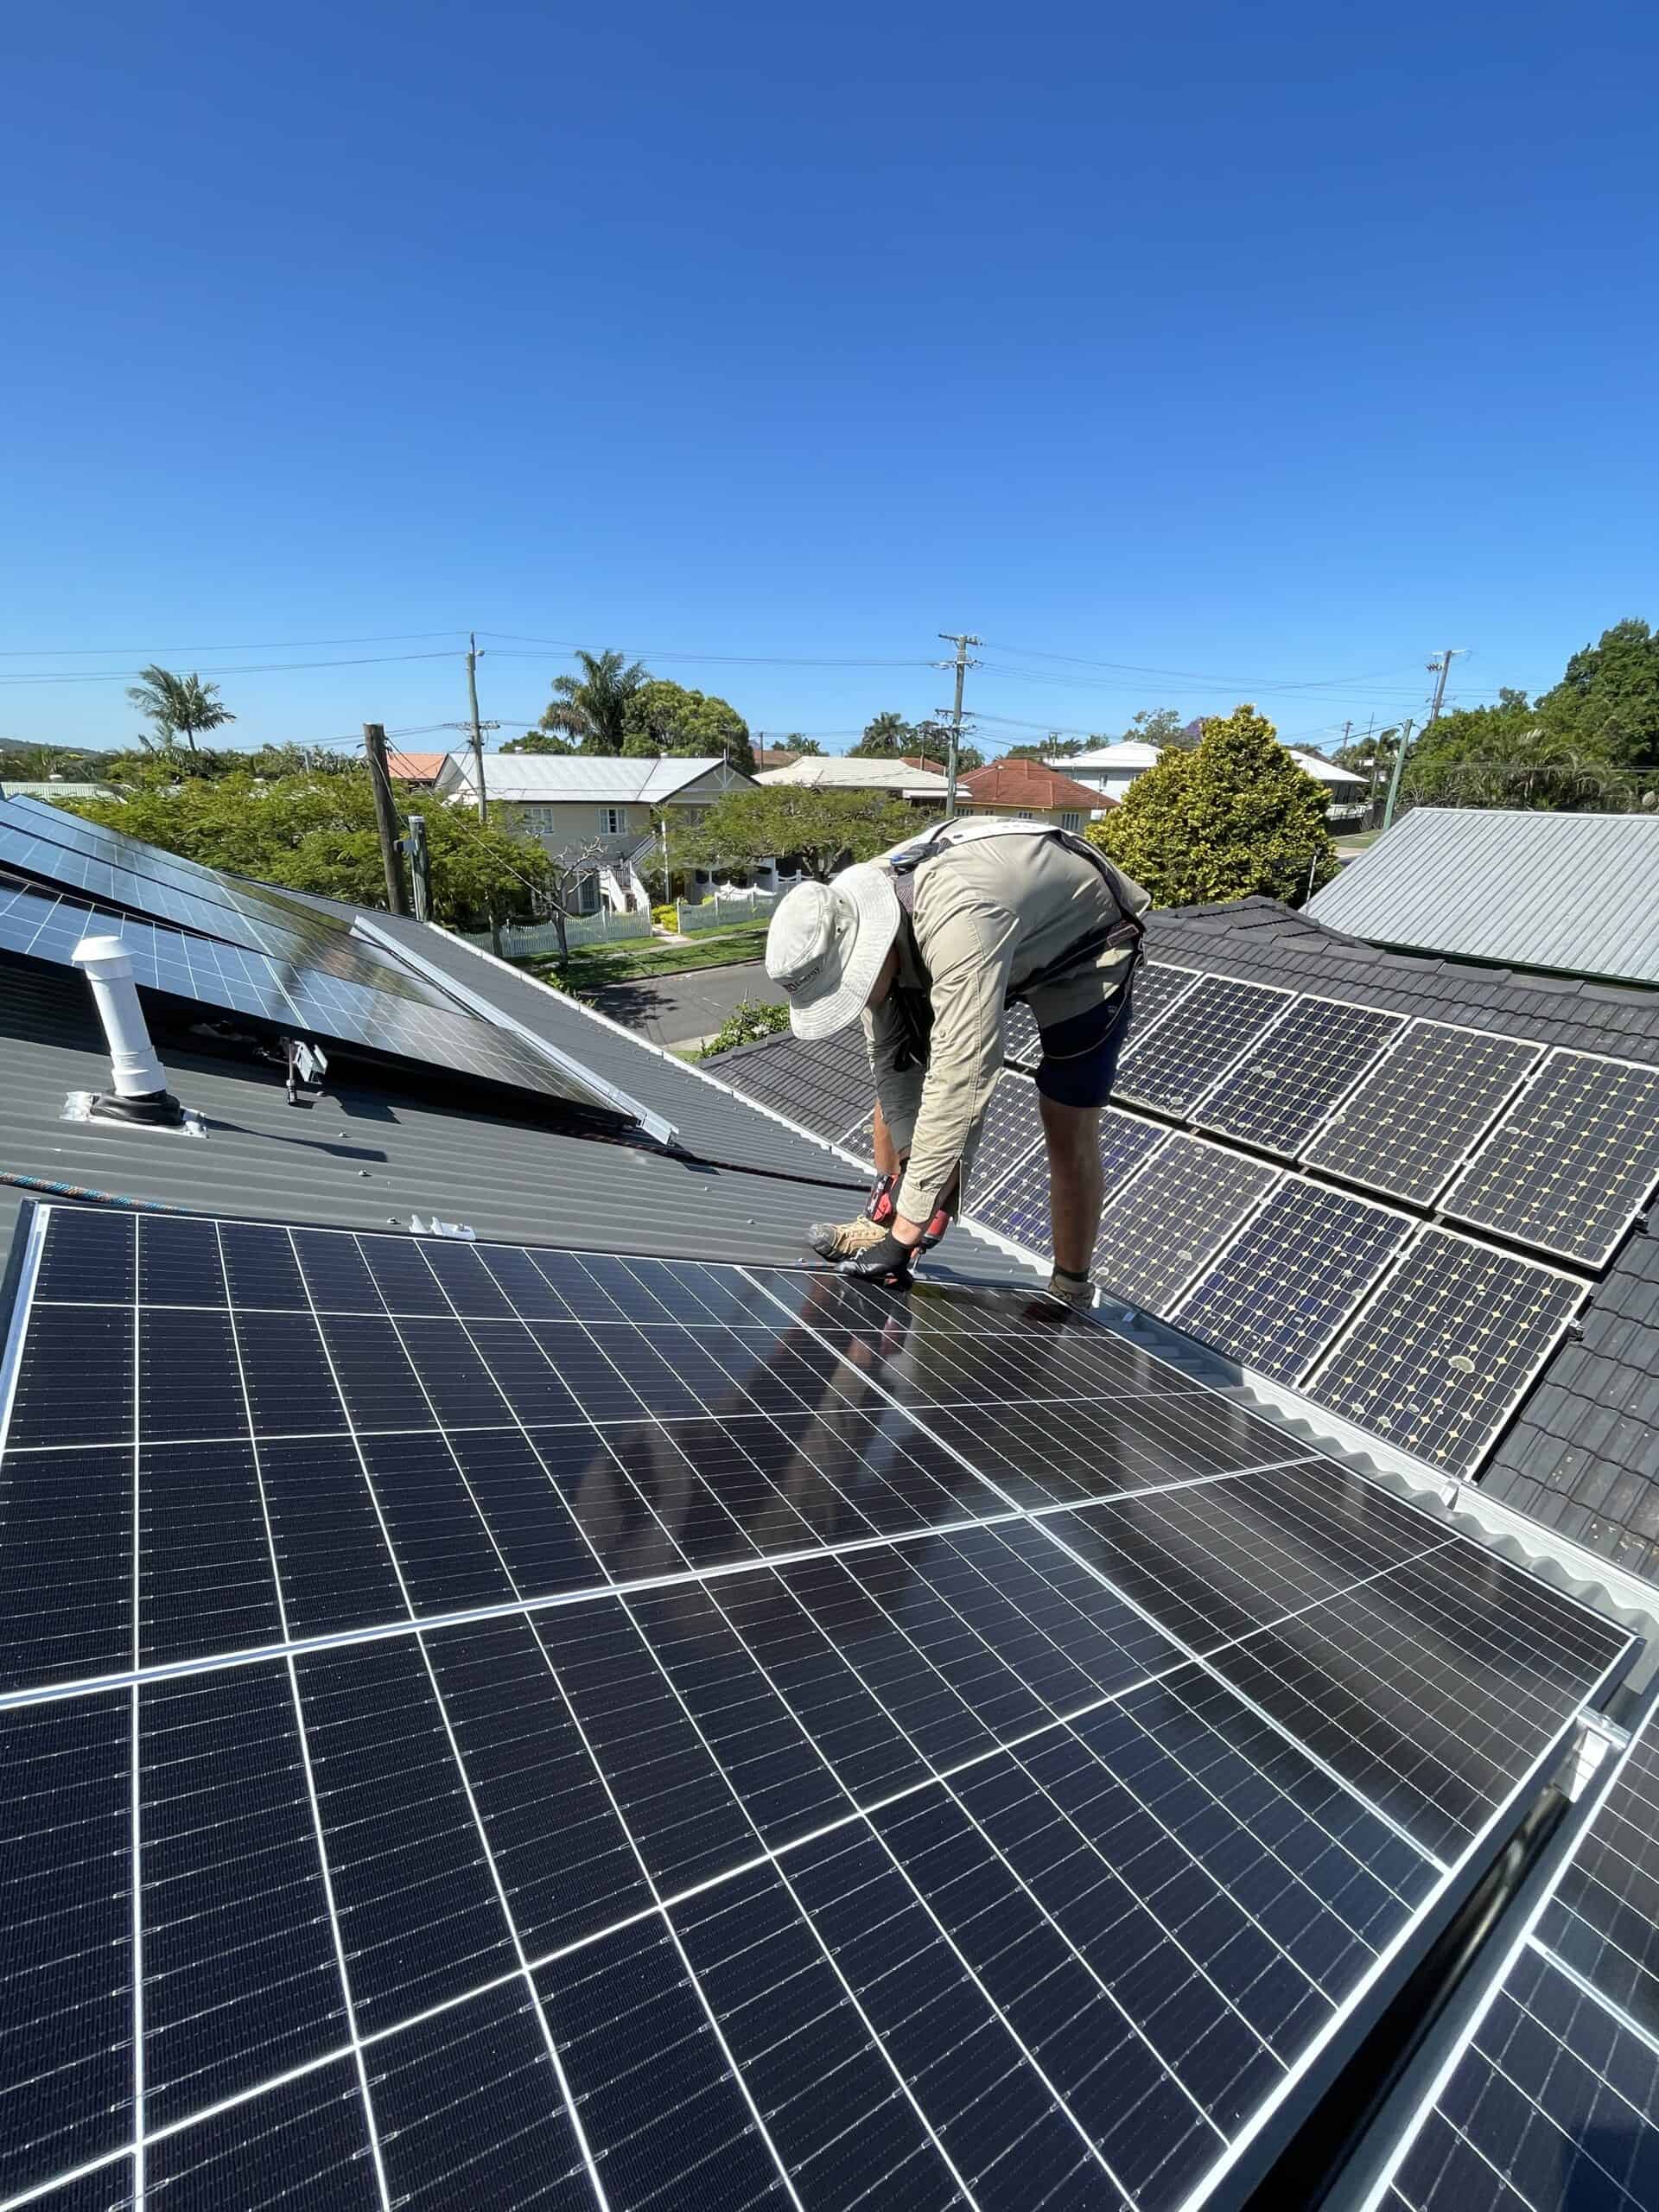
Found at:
<point>1176,1063</point>
<point>1017,1207</point>
<point>1012,1130</point>
<point>1022,1046</point>
<point>1442,1350</point>
<point>1278,1293</point>
<point>1411,1124</point>
<point>1573,1161</point>
<point>1604,1919</point>
<point>1174,1218</point>
<point>1285,1086</point>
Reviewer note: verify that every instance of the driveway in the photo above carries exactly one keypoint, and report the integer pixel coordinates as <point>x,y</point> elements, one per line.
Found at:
<point>674,1009</point>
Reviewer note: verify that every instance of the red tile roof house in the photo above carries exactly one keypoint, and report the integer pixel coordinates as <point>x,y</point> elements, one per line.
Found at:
<point>1027,788</point>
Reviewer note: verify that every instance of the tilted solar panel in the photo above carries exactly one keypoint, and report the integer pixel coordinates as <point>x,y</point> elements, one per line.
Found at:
<point>1438,1356</point>
<point>1571,1163</point>
<point>1012,1131</point>
<point>1018,1206</point>
<point>1174,1218</point>
<point>1409,1126</point>
<point>1179,1061</point>
<point>1280,1291</point>
<point>1284,1087</point>
<point>1157,987</point>
<point>931,1864</point>
<point>1022,1047</point>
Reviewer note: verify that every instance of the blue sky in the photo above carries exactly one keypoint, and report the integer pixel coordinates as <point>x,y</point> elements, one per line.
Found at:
<point>1274,345</point>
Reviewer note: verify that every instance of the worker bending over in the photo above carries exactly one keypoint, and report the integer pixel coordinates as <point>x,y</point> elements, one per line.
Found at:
<point>933,944</point>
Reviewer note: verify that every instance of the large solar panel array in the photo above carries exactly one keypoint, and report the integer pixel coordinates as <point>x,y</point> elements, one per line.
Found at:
<point>1550,2101</point>
<point>1017,1207</point>
<point>1170,1222</point>
<point>1174,1064</point>
<point>399,1816</point>
<point>1414,1120</point>
<point>1571,1163</point>
<point>1011,1132</point>
<point>1282,1290</point>
<point>1285,1086</point>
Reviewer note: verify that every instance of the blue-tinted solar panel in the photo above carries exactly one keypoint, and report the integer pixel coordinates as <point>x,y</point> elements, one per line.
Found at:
<point>1440,1355</point>
<point>1278,1293</point>
<point>1284,1087</point>
<point>1174,1218</point>
<point>1022,1047</point>
<point>1409,1126</point>
<point>1177,1062</point>
<point>1013,1129</point>
<point>1017,1207</point>
<point>1571,1163</point>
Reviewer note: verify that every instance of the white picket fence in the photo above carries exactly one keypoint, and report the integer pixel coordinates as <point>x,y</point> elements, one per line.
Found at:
<point>519,939</point>
<point>722,910</point>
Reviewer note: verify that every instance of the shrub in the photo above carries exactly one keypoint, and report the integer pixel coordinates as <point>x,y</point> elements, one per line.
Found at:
<point>747,1022</point>
<point>666,918</point>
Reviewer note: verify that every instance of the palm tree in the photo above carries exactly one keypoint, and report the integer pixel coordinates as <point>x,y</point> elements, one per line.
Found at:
<point>593,707</point>
<point>179,706</point>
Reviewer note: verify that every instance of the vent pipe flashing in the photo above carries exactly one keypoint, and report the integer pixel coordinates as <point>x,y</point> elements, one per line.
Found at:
<point>141,1092</point>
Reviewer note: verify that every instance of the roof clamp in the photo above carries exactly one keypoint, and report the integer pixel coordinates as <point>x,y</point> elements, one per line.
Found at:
<point>306,1064</point>
<point>459,1230</point>
<point>140,1097</point>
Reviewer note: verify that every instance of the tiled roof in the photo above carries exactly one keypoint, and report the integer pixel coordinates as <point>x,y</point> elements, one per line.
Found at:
<point>414,767</point>
<point>1029,783</point>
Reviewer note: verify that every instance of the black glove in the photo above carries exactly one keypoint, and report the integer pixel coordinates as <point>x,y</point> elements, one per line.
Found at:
<point>888,1263</point>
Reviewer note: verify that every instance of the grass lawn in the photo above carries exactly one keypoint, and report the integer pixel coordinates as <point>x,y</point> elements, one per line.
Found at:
<point>1359,842</point>
<point>595,965</point>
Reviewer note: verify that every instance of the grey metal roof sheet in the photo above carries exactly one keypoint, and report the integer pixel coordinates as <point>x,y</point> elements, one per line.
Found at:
<point>1578,893</point>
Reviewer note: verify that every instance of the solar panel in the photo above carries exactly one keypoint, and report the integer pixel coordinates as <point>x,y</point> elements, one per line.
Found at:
<point>1173,1219</point>
<point>928,1864</point>
<point>48,926</point>
<point>1411,1124</point>
<point>1012,1130</point>
<point>1279,1292</point>
<point>1285,1086</point>
<point>1156,989</point>
<point>1177,1063</point>
<point>1018,1206</point>
<point>1603,1921</point>
<point>1022,1047</point>
<point>1571,1163</point>
<point>1441,1354</point>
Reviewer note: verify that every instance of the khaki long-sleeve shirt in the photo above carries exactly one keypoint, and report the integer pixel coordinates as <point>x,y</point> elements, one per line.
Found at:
<point>988,913</point>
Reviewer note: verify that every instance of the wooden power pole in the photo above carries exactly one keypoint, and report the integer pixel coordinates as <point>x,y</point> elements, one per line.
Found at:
<point>385,815</point>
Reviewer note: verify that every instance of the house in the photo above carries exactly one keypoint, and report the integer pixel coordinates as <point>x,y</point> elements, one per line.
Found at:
<point>1110,769</point>
<point>1349,794</point>
<point>1031,791</point>
<point>596,813</point>
<point>774,756</point>
<point>57,788</point>
<point>1569,893</point>
<point>415,771</point>
<point>920,784</point>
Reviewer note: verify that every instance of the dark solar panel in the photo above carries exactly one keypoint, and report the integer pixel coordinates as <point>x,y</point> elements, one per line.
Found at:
<point>1409,1126</point>
<point>1284,1087</point>
<point>1438,1357</point>
<point>1604,1921</point>
<point>1571,1163</point>
<point>1021,1046</point>
<point>1017,1207</point>
<point>1156,989</point>
<point>1173,1219</point>
<point>1176,1063</point>
<point>333,1007</point>
<point>931,1863</point>
<point>1280,1291</point>
<point>1012,1131</point>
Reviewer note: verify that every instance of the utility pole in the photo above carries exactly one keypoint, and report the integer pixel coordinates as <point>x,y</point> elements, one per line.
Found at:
<point>962,665</point>
<point>1399,763</point>
<point>420,870</point>
<point>477,765</point>
<point>1346,727</point>
<point>385,815</point>
<point>1440,667</point>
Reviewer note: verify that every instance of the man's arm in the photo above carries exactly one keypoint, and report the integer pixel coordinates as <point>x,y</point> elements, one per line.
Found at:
<point>897,1089</point>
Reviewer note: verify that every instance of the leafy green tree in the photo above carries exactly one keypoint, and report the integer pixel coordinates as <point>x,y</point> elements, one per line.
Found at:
<point>1609,697</point>
<point>804,748</point>
<point>1160,726</point>
<point>665,718</point>
<point>748,1020</point>
<point>538,740</point>
<point>178,706</point>
<point>593,708</point>
<point>886,736</point>
<point>317,833</point>
<point>821,830</point>
<point>1371,756</point>
<point>1234,818</point>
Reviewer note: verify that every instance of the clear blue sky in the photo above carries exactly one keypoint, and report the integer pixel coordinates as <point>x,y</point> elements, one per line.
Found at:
<point>1279,344</point>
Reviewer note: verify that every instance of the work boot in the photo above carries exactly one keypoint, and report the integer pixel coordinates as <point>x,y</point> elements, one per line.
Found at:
<point>1075,1291</point>
<point>843,1240</point>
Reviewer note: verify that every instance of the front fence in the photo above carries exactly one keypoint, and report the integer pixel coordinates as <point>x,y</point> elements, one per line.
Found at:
<point>519,939</point>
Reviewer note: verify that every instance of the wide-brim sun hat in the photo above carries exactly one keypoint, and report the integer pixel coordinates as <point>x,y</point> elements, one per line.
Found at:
<point>826,945</point>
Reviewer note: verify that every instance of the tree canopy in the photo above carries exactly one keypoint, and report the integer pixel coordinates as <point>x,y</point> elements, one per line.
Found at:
<point>178,706</point>
<point>888,736</point>
<point>592,708</point>
<point>821,830</point>
<point>316,832</point>
<point>665,717</point>
<point>1232,818</point>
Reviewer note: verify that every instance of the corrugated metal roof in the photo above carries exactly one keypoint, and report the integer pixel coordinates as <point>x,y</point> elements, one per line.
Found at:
<point>550,779</point>
<point>1575,893</point>
<point>841,773</point>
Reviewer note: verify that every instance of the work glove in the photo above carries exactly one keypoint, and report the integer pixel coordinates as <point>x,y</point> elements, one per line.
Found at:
<point>887,1262</point>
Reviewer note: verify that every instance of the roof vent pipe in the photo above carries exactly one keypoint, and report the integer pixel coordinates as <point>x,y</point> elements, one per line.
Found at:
<point>140,1091</point>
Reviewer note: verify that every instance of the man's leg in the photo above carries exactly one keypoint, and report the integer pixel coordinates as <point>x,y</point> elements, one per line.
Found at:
<point>887,1157</point>
<point>1076,1183</point>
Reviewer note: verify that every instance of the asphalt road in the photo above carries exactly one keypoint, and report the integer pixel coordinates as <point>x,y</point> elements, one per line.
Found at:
<point>673,1009</point>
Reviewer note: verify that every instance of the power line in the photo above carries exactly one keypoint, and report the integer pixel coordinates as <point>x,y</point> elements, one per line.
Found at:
<point>253,645</point>
<point>259,668</point>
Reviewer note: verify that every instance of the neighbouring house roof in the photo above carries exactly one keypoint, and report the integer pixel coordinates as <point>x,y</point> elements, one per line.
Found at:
<point>1125,756</point>
<point>1030,783</point>
<point>15,787</point>
<point>1324,771</point>
<point>414,767</point>
<point>774,756</point>
<point>1575,893</point>
<point>839,773</point>
<point>556,778</point>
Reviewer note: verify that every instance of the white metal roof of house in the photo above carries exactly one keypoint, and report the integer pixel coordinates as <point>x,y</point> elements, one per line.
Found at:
<point>1127,753</point>
<point>1324,772</point>
<point>841,773</point>
<point>548,778</point>
<point>18,787</point>
<point>1575,893</point>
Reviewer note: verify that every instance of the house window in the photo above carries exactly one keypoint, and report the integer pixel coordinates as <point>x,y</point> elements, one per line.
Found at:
<point>610,821</point>
<point>1072,820</point>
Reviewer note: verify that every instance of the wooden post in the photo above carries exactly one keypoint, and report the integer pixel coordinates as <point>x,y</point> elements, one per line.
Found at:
<point>385,815</point>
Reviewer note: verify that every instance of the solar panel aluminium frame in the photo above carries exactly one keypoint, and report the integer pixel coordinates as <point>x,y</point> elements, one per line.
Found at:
<point>654,1125</point>
<point>1275,1176</point>
<point>1536,1075</point>
<point>1379,1059</point>
<point>1366,1437</point>
<point>1289,1179</point>
<point>1188,1115</point>
<point>1247,2154</point>
<point>1540,1053</point>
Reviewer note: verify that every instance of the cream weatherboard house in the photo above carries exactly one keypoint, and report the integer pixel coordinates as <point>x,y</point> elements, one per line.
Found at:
<point>579,806</point>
